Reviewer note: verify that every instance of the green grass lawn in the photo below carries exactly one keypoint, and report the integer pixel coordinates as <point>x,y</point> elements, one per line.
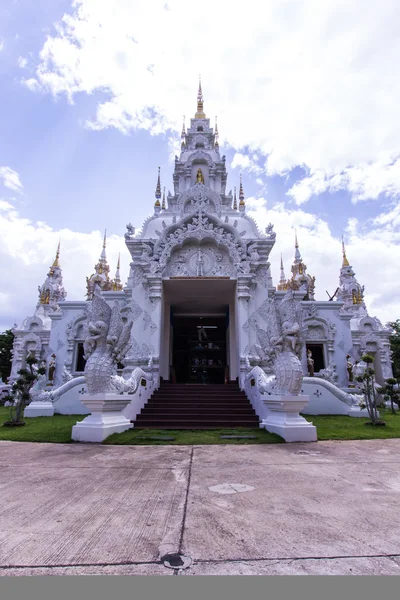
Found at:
<point>58,429</point>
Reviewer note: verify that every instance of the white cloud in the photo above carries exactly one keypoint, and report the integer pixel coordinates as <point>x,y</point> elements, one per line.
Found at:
<point>32,84</point>
<point>246,163</point>
<point>27,249</point>
<point>306,82</point>
<point>363,181</point>
<point>372,249</point>
<point>10,179</point>
<point>22,62</point>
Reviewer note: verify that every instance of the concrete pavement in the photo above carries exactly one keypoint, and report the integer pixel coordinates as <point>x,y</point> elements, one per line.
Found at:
<point>323,508</point>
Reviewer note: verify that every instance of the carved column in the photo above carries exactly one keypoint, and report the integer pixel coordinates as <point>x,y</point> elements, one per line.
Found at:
<point>243,297</point>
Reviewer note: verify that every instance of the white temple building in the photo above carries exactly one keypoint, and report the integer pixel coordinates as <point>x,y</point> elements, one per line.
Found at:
<point>197,291</point>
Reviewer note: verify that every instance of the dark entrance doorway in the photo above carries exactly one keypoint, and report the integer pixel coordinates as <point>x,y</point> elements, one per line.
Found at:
<point>199,349</point>
<point>317,351</point>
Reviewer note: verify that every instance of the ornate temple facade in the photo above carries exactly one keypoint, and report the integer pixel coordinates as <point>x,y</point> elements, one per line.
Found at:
<point>198,289</point>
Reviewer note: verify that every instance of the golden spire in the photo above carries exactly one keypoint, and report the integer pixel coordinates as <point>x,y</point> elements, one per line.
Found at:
<point>56,263</point>
<point>241,192</point>
<point>296,243</point>
<point>234,199</point>
<point>158,190</point>
<point>345,262</point>
<point>200,111</point>
<point>163,199</point>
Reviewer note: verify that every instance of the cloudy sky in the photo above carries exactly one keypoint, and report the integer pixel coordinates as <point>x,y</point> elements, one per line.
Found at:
<point>307,95</point>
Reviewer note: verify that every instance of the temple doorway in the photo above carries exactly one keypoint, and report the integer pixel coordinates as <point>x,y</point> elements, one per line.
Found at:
<point>199,333</point>
<point>317,352</point>
<point>199,349</point>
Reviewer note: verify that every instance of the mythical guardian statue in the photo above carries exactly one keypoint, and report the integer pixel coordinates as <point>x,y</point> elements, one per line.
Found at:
<point>106,344</point>
<point>284,348</point>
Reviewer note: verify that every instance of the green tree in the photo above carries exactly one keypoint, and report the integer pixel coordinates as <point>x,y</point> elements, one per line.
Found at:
<point>20,391</point>
<point>6,344</point>
<point>367,381</point>
<point>389,392</point>
<point>395,346</point>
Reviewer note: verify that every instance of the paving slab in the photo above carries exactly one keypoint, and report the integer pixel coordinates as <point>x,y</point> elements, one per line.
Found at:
<point>91,504</point>
<point>320,508</point>
<point>299,508</point>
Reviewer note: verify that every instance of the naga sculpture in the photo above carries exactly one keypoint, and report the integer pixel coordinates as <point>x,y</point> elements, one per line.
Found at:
<point>284,348</point>
<point>106,344</point>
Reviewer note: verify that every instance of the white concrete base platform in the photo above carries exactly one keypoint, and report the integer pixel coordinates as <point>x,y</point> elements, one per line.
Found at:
<point>285,420</point>
<point>39,409</point>
<point>105,419</point>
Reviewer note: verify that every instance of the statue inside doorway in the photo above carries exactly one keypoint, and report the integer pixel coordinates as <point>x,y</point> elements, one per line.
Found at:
<point>310,363</point>
<point>52,369</point>
<point>349,368</point>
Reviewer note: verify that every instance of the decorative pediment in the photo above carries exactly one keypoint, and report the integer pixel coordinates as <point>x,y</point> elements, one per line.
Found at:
<point>199,196</point>
<point>317,328</point>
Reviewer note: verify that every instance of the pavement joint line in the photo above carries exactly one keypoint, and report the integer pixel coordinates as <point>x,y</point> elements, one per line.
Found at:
<point>292,558</point>
<point>78,565</point>
<point>186,501</point>
<point>198,561</point>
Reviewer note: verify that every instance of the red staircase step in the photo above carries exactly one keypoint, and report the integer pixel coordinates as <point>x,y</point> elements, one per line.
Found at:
<point>197,406</point>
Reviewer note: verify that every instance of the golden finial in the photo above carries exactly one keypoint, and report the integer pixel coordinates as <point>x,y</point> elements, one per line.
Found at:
<point>56,263</point>
<point>105,238</point>
<point>234,199</point>
<point>163,199</point>
<point>158,190</point>
<point>216,134</point>
<point>281,263</point>
<point>119,261</point>
<point>345,262</point>
<point>241,192</point>
<point>296,243</point>
<point>200,102</point>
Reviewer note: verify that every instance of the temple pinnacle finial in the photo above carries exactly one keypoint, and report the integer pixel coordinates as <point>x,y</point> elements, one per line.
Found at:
<point>241,192</point>
<point>116,285</point>
<point>345,262</point>
<point>283,276</point>
<point>282,285</point>
<point>297,255</point>
<point>216,144</point>
<point>183,134</point>
<point>234,199</point>
<point>163,199</point>
<point>56,260</point>
<point>200,103</point>
<point>158,189</point>
<point>103,252</point>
